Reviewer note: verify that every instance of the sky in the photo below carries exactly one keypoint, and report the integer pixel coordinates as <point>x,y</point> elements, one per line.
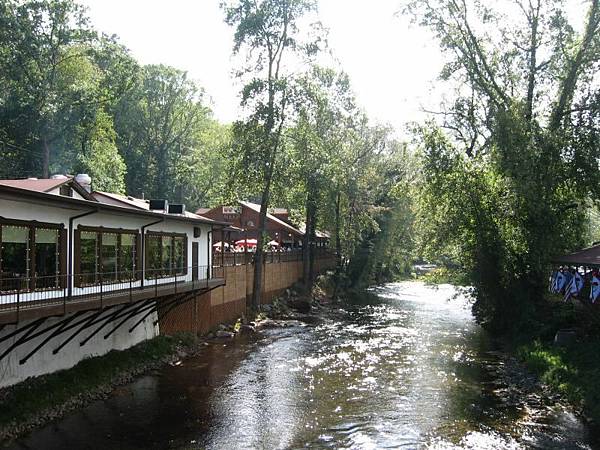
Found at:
<point>392,65</point>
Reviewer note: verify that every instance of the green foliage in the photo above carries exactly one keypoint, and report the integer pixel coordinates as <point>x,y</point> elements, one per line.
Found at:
<point>102,160</point>
<point>509,168</point>
<point>74,101</point>
<point>443,275</point>
<point>572,372</point>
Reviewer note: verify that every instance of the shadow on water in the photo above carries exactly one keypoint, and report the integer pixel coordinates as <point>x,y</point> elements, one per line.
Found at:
<point>401,366</point>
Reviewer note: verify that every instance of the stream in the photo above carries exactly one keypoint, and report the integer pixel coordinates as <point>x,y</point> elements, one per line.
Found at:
<point>404,366</point>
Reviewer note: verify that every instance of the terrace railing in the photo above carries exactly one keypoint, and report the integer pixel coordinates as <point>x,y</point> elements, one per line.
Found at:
<point>229,259</point>
<point>17,293</point>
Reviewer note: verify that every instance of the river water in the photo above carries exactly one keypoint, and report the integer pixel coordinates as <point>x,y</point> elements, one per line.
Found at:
<point>403,367</point>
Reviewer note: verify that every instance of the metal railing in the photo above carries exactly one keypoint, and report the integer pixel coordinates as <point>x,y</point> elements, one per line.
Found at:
<point>17,293</point>
<point>229,259</point>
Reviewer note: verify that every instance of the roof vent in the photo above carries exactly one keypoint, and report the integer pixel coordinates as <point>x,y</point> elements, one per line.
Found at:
<point>85,181</point>
<point>176,209</point>
<point>159,205</point>
<point>59,176</point>
<point>32,178</point>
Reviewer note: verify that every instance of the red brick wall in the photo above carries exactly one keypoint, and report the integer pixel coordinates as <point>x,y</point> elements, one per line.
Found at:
<point>241,221</point>
<point>225,304</point>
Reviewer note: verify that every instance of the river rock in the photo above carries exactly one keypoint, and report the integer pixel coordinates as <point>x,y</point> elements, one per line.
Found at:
<point>268,323</point>
<point>247,329</point>
<point>301,304</point>
<point>224,334</point>
<point>565,337</point>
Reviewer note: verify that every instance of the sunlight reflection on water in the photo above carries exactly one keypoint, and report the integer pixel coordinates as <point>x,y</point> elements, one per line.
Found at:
<point>405,366</point>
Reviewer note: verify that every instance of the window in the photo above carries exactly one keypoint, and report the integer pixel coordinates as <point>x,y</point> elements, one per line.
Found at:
<point>105,255</point>
<point>47,258</point>
<point>88,251</point>
<point>166,254</point>
<point>66,190</point>
<point>30,256</point>
<point>109,254</point>
<point>15,252</point>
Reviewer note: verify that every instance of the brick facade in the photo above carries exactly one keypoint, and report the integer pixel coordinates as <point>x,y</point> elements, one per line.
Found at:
<point>225,304</point>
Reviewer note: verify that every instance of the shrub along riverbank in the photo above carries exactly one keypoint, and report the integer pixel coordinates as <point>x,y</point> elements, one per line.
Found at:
<point>39,400</point>
<point>571,370</point>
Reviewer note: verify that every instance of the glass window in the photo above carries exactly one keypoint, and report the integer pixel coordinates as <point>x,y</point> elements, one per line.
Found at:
<point>153,252</point>
<point>127,262</point>
<point>15,257</point>
<point>107,256</point>
<point>47,258</point>
<point>89,259</point>
<point>167,254</point>
<point>109,252</point>
<point>179,254</point>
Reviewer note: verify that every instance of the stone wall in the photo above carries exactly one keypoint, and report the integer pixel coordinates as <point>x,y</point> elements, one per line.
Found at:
<point>225,304</point>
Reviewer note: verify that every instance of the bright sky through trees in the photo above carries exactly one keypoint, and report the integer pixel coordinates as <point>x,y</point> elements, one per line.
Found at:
<point>391,65</point>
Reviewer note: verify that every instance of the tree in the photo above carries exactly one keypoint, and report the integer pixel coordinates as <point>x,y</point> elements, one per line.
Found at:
<point>268,31</point>
<point>508,176</point>
<point>101,159</point>
<point>157,124</point>
<point>323,106</point>
<point>38,41</point>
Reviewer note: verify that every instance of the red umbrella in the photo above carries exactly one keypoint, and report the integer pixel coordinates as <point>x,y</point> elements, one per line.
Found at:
<point>247,242</point>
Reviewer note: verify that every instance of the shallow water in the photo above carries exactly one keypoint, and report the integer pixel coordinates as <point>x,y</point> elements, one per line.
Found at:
<point>403,367</point>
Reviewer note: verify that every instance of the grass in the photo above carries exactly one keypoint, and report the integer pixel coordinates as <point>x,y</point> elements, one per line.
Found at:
<point>35,395</point>
<point>572,371</point>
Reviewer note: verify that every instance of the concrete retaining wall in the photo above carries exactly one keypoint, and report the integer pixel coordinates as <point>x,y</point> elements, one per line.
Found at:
<point>44,361</point>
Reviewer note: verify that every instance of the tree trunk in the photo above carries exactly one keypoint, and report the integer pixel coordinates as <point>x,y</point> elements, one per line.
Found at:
<point>259,254</point>
<point>306,247</point>
<point>338,244</point>
<point>45,158</point>
<point>531,75</point>
<point>569,82</point>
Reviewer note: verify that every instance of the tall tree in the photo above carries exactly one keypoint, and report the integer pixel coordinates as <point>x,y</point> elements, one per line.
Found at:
<point>507,177</point>
<point>38,41</point>
<point>157,123</point>
<point>323,107</point>
<point>268,31</point>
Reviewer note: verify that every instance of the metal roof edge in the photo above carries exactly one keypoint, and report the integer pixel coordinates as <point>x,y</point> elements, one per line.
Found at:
<point>53,198</point>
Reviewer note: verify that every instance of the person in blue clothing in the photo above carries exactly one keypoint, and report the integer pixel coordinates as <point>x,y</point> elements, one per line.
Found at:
<point>595,286</point>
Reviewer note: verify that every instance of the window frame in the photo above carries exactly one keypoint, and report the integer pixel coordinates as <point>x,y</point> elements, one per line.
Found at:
<point>32,225</point>
<point>172,271</point>
<point>98,279</point>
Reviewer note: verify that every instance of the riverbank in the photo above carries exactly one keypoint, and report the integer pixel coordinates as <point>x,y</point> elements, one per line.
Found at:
<point>39,400</point>
<point>571,369</point>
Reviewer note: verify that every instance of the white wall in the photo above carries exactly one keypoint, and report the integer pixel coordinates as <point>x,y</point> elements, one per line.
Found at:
<point>20,210</point>
<point>43,361</point>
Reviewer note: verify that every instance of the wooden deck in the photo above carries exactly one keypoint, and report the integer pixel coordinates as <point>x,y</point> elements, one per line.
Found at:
<point>29,310</point>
